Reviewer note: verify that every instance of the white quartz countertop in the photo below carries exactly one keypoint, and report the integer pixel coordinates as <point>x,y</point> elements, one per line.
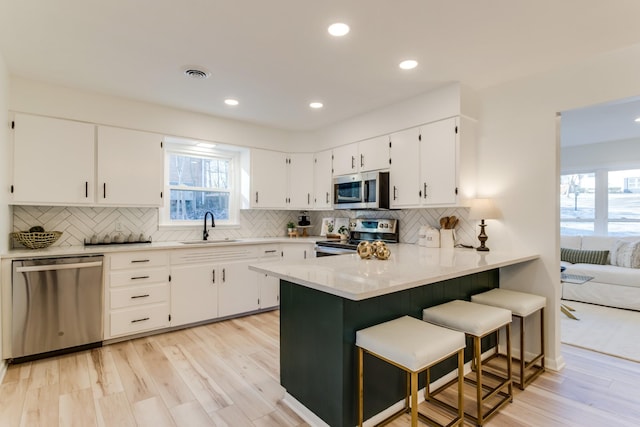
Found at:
<point>409,266</point>
<point>54,251</point>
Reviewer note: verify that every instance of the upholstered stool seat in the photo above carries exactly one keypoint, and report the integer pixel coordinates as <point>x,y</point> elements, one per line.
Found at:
<point>476,321</point>
<point>522,305</point>
<point>414,346</point>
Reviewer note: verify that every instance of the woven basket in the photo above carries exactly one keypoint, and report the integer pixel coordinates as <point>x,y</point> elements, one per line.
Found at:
<point>38,239</point>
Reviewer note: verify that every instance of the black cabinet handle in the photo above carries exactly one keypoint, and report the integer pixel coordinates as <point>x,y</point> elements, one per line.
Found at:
<point>104,190</point>
<point>224,274</point>
<point>214,276</point>
<point>139,260</point>
<point>395,190</point>
<point>139,277</point>
<point>256,197</point>
<point>327,197</point>
<point>140,320</point>
<point>425,190</point>
<point>308,198</point>
<point>139,296</point>
<point>86,189</point>
<point>353,162</point>
<point>361,160</point>
<point>272,251</point>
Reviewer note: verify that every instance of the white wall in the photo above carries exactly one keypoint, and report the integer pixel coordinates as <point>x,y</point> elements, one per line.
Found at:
<point>624,154</point>
<point>33,97</point>
<point>448,101</point>
<point>5,209</point>
<point>518,163</point>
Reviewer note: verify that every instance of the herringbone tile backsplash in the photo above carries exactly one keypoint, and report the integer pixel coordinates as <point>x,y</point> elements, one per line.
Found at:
<point>80,223</point>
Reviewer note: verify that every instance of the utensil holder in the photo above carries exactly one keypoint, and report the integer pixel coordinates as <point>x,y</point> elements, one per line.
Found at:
<point>447,238</point>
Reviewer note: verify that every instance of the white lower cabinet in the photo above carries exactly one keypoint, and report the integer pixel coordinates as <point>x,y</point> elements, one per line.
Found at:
<point>269,286</point>
<point>297,251</point>
<point>212,282</point>
<point>238,291</point>
<point>137,293</point>
<point>194,293</point>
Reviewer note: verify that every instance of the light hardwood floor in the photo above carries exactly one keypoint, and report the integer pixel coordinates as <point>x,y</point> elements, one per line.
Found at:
<point>227,374</point>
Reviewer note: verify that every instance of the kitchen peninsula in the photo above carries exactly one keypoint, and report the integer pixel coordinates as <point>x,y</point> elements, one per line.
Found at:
<point>324,301</point>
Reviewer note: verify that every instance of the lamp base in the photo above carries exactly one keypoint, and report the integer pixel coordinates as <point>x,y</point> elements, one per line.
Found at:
<point>482,237</point>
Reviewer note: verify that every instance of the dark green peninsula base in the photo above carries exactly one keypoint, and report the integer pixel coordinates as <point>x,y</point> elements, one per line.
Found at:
<point>317,344</point>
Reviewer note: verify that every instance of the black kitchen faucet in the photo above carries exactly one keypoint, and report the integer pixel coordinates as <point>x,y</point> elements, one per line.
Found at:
<point>205,233</point>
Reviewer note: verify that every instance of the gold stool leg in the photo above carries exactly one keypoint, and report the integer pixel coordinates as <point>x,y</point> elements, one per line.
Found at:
<point>360,388</point>
<point>478,359</point>
<point>414,399</point>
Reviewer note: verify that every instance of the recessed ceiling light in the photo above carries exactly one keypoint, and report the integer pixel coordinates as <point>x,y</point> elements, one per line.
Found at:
<point>338,29</point>
<point>637,120</point>
<point>197,73</point>
<point>316,105</point>
<point>408,64</point>
<point>231,101</point>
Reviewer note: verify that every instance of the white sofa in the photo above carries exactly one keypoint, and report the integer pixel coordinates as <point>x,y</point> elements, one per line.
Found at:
<point>611,285</point>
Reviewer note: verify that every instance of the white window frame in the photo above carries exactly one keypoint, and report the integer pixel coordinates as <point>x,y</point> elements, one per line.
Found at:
<point>165,220</point>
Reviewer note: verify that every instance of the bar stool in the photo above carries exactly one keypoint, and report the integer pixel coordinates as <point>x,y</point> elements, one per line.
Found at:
<point>522,305</point>
<point>413,346</point>
<point>476,321</point>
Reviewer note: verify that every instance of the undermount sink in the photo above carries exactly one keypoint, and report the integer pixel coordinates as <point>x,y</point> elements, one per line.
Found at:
<point>200,242</point>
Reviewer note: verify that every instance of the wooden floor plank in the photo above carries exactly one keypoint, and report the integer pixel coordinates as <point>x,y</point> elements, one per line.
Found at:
<point>135,379</point>
<point>103,374</point>
<point>152,412</point>
<point>74,372</point>
<point>113,409</point>
<point>41,406</point>
<point>77,409</point>
<point>169,383</point>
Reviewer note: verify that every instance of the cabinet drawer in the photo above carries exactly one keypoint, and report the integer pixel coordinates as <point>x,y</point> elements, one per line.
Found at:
<point>145,318</point>
<point>139,295</point>
<point>139,276</point>
<point>269,252</point>
<point>139,259</point>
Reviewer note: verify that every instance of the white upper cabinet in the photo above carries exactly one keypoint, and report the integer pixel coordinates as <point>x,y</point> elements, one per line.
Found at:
<point>300,179</point>
<point>368,155</point>
<point>344,159</point>
<point>322,180</point>
<point>373,154</point>
<point>433,165</point>
<point>438,162</point>
<point>53,161</point>
<point>404,173</point>
<point>130,167</point>
<point>268,179</point>
<point>280,180</point>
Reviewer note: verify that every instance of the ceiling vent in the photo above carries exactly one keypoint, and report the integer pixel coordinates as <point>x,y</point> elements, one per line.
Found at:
<point>195,73</point>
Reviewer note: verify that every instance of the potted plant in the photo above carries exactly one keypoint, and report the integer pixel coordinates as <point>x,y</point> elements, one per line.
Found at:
<point>343,232</point>
<point>291,226</point>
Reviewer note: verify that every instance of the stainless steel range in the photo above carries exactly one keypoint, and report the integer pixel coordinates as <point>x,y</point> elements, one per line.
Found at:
<point>361,229</point>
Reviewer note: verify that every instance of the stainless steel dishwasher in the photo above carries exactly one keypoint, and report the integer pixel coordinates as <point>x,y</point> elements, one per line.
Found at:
<point>57,304</point>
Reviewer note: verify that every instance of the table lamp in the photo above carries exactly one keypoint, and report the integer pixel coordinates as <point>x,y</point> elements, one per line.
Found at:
<point>483,209</point>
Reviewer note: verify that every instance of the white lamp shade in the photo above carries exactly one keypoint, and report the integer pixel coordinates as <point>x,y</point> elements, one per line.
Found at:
<point>483,209</point>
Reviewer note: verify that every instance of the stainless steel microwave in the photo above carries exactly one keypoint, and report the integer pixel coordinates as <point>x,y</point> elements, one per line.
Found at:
<point>367,190</point>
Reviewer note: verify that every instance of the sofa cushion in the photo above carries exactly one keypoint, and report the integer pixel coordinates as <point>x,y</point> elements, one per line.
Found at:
<point>626,253</point>
<point>597,243</point>
<point>607,274</point>
<point>571,242</point>
<point>576,256</point>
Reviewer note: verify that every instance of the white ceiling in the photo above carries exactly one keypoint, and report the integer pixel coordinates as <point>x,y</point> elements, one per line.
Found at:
<point>614,121</point>
<point>275,56</point>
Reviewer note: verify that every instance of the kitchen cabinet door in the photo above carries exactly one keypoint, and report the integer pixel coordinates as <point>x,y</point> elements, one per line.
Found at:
<point>373,154</point>
<point>297,251</point>
<point>130,167</point>
<point>300,180</point>
<point>404,173</point>
<point>238,290</point>
<point>194,293</point>
<point>269,291</point>
<point>268,179</point>
<point>53,161</point>
<point>345,159</point>
<point>322,180</point>
<point>438,162</point>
